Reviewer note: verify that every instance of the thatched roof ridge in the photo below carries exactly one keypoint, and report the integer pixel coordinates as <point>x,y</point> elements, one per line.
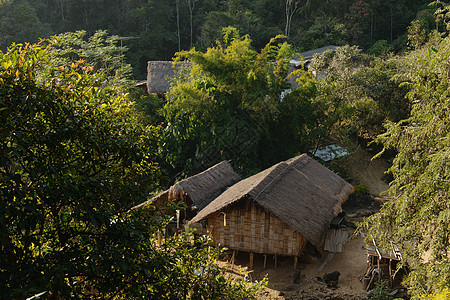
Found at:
<point>300,192</point>
<point>310,54</point>
<point>207,185</point>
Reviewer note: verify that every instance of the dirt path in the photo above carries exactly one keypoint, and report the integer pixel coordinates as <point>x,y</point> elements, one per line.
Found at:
<point>351,264</point>
<point>367,172</point>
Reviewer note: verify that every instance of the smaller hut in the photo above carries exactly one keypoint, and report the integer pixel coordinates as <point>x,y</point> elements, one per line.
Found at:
<point>159,73</point>
<point>277,210</point>
<point>196,191</point>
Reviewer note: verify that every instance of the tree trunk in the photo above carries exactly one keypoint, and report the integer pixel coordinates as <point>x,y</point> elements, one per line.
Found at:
<point>178,24</point>
<point>61,2</point>
<point>291,8</point>
<point>191,5</point>
<point>392,17</point>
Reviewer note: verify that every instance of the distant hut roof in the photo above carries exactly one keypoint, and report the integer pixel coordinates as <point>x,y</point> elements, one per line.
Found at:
<point>301,192</point>
<point>207,185</point>
<point>142,85</point>
<point>309,54</point>
<point>157,73</point>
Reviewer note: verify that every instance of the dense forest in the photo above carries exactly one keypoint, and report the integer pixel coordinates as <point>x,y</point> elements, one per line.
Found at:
<point>155,30</point>
<point>80,145</point>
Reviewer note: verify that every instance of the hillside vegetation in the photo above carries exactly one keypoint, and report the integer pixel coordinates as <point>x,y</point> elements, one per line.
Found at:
<point>155,29</point>
<point>80,146</point>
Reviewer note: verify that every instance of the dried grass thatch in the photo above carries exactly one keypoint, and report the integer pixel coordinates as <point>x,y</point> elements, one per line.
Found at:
<point>310,54</point>
<point>300,192</point>
<point>158,72</point>
<point>205,186</point>
<point>156,201</point>
<point>201,189</point>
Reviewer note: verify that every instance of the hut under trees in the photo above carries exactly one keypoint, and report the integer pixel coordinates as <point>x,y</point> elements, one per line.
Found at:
<point>196,191</point>
<point>159,74</point>
<point>277,210</point>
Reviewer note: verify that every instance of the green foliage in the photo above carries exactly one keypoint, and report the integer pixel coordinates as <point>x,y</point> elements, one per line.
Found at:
<point>380,292</point>
<point>73,160</point>
<point>439,295</point>
<point>358,90</point>
<point>419,216</point>
<point>99,51</point>
<point>71,163</point>
<point>19,23</point>
<point>231,106</point>
<point>361,190</point>
<point>420,28</point>
<point>324,31</point>
<point>381,48</point>
<point>151,28</point>
<point>147,107</point>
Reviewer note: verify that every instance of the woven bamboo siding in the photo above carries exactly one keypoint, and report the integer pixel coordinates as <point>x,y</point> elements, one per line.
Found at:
<point>250,228</point>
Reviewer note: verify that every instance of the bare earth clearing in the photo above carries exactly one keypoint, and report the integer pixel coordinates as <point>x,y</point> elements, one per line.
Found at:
<point>351,263</point>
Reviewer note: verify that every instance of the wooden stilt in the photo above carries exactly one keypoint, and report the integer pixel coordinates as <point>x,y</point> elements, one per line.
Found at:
<point>232,258</point>
<point>379,270</point>
<point>391,280</point>
<point>251,261</point>
<point>295,262</point>
<point>159,238</point>
<point>275,258</point>
<point>265,261</point>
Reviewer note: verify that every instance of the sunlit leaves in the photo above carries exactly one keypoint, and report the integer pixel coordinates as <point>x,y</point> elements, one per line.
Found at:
<point>418,216</point>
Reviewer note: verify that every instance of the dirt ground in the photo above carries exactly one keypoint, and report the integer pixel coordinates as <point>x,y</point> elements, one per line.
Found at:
<point>367,172</point>
<point>287,283</point>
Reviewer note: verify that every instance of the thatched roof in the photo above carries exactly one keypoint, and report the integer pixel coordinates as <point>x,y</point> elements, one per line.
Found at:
<point>306,57</point>
<point>156,201</point>
<point>310,54</point>
<point>205,186</point>
<point>300,192</point>
<point>201,188</point>
<point>157,73</point>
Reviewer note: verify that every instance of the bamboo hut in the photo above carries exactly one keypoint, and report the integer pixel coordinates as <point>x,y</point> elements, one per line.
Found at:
<point>277,210</point>
<point>158,74</point>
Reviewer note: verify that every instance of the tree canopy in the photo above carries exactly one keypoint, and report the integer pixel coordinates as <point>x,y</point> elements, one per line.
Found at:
<point>418,217</point>
<point>233,104</point>
<point>155,30</point>
<point>73,161</point>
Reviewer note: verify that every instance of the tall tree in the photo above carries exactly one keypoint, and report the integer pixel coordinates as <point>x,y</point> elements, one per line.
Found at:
<point>177,7</point>
<point>191,6</point>
<point>291,8</point>
<point>418,216</point>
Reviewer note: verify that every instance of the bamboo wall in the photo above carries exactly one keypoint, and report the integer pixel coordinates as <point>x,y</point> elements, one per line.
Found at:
<point>248,227</point>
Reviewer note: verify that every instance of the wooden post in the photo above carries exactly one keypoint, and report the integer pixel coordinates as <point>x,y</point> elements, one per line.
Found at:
<point>275,258</point>
<point>295,262</point>
<point>379,271</point>
<point>232,258</point>
<point>251,261</point>
<point>391,281</point>
<point>265,261</point>
<point>159,238</point>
